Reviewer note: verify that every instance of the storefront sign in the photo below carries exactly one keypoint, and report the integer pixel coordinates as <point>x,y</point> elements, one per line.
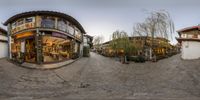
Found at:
<point>59,35</point>
<point>23,35</point>
<point>22,27</point>
<point>25,23</point>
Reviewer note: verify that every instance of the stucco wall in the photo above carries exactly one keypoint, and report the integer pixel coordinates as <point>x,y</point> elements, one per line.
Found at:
<point>190,50</point>
<point>2,37</point>
<point>3,47</point>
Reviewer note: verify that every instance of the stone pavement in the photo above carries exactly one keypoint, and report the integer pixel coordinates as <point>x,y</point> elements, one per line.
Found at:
<point>47,66</point>
<point>100,78</point>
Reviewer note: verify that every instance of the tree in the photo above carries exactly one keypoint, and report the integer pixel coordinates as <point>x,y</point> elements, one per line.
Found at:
<point>120,42</point>
<point>98,40</point>
<point>158,24</point>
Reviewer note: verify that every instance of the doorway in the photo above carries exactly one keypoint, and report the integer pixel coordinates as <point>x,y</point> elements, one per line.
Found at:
<point>30,51</point>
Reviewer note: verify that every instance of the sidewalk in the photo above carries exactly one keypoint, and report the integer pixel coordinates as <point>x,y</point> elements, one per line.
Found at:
<point>47,66</point>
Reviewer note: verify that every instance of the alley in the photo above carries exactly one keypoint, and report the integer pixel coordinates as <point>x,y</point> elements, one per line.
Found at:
<point>101,77</point>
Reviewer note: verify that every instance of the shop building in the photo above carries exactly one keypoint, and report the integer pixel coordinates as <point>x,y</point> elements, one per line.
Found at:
<point>189,38</point>
<point>44,37</point>
<point>161,47</point>
<point>88,40</point>
<point>3,43</point>
<point>87,45</point>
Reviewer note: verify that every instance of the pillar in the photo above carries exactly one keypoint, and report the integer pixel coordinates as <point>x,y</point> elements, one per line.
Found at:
<point>38,42</point>
<point>9,41</point>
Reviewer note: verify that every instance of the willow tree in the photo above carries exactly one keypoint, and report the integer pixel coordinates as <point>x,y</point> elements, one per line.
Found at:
<point>157,24</point>
<point>120,42</point>
<point>98,40</point>
<point>141,29</point>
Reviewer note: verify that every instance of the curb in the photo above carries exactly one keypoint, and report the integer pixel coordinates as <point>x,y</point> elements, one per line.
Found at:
<point>42,68</point>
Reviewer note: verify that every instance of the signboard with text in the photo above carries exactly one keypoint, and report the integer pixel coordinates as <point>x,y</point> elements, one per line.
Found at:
<point>23,24</point>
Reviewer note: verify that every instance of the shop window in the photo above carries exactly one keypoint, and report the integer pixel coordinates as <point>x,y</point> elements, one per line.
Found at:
<point>29,19</point>
<point>198,36</point>
<point>62,25</point>
<point>195,36</point>
<point>56,49</point>
<point>71,29</point>
<point>48,22</point>
<point>20,22</point>
<point>14,25</point>
<point>190,35</point>
<point>29,22</point>
<point>15,49</point>
<point>76,48</point>
<point>85,41</point>
<point>77,34</point>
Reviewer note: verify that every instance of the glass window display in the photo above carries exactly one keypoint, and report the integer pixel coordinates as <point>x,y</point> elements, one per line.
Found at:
<point>16,47</point>
<point>48,22</point>
<point>71,29</point>
<point>77,34</point>
<point>29,19</point>
<point>62,25</point>
<point>20,22</point>
<point>56,49</point>
<point>14,25</point>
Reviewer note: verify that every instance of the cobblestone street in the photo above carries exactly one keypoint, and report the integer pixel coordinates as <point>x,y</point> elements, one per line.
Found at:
<point>98,77</point>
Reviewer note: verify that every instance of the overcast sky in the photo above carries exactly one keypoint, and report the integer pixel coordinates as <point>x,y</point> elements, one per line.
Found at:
<point>103,17</point>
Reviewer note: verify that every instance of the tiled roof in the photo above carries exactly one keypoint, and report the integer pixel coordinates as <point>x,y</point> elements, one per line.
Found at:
<point>142,37</point>
<point>189,28</point>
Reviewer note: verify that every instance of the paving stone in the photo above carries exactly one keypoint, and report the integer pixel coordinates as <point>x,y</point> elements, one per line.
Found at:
<point>100,77</point>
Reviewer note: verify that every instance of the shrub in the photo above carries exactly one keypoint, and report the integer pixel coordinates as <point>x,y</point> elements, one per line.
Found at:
<point>139,59</point>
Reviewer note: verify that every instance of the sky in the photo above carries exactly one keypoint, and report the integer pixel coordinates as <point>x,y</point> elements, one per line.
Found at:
<point>103,17</point>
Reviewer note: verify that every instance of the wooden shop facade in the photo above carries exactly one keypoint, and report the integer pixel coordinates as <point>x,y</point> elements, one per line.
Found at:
<point>44,37</point>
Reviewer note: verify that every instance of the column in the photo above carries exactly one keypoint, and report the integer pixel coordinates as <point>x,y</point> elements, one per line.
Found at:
<point>56,23</point>
<point>9,41</point>
<point>38,40</point>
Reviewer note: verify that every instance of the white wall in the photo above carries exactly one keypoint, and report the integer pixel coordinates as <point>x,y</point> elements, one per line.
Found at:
<point>85,41</point>
<point>190,50</point>
<point>2,37</point>
<point>81,49</point>
<point>3,47</point>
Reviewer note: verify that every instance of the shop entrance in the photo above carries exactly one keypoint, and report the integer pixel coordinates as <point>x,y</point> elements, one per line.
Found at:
<point>24,50</point>
<point>30,51</point>
<point>23,47</point>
